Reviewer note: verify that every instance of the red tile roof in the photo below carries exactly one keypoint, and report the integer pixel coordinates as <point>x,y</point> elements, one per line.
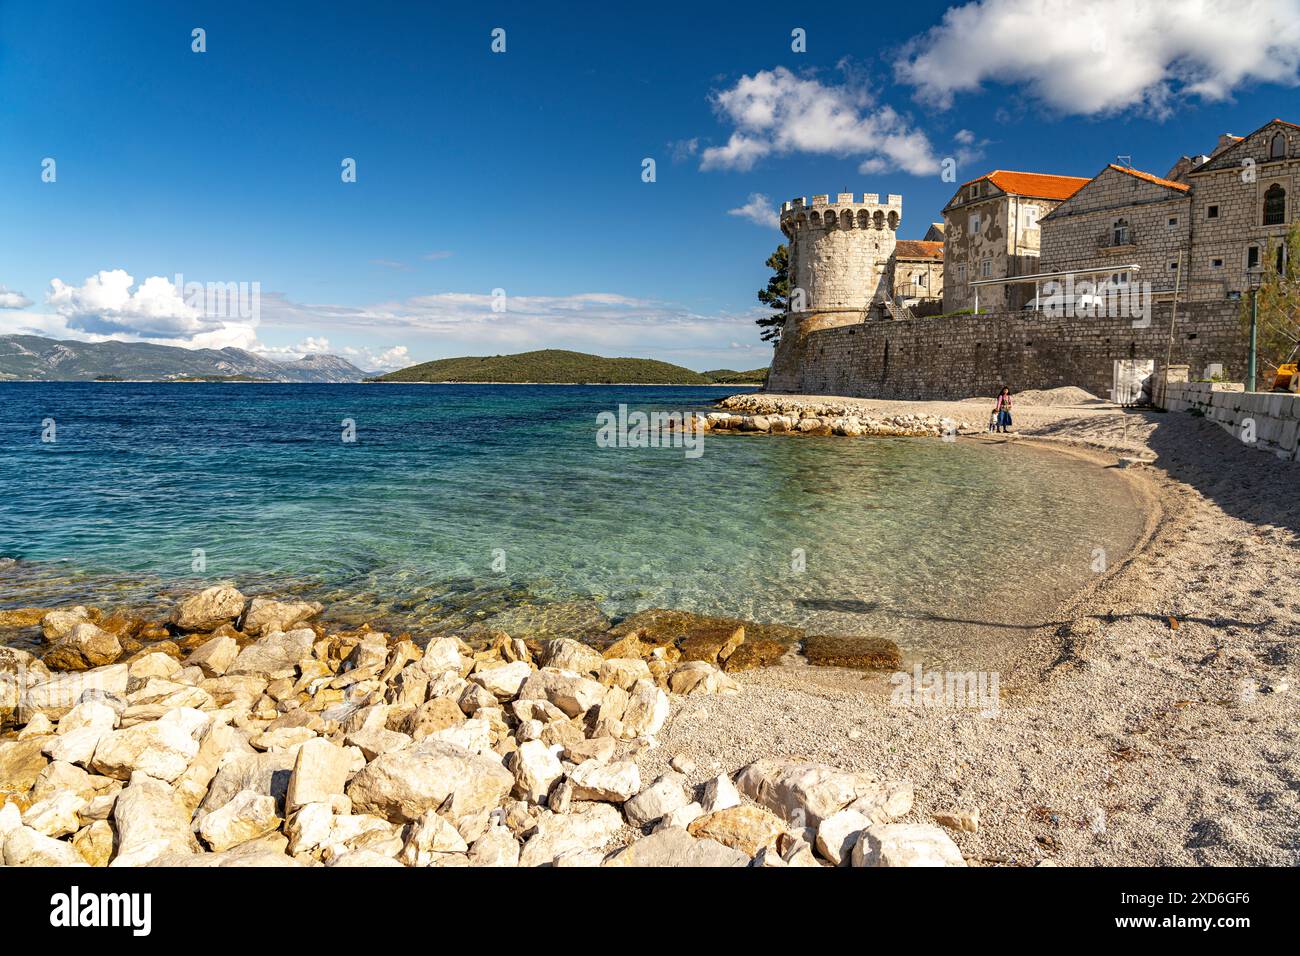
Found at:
<point>918,249</point>
<point>1167,183</point>
<point>1036,185</point>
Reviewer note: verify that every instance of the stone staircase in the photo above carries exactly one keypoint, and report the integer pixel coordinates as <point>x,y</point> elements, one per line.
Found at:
<point>899,313</point>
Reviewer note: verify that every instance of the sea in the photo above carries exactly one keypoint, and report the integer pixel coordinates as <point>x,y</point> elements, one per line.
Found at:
<point>426,507</point>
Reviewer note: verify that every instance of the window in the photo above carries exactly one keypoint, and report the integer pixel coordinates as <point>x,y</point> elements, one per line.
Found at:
<point>1119,234</point>
<point>1252,257</point>
<point>1173,267</point>
<point>1274,205</point>
<point>974,224</point>
<point>1031,214</point>
<point>1212,212</point>
<point>1173,222</point>
<point>986,268</point>
<point>918,280</point>
<point>1216,263</point>
<point>961,273</point>
<point>1277,148</point>
<point>1120,278</point>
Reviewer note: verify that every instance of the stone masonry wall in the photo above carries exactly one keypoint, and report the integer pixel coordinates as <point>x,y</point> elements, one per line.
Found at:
<point>962,356</point>
<point>1265,421</point>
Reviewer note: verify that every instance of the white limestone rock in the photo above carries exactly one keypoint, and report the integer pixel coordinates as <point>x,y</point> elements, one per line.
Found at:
<point>660,798</point>
<point>246,816</point>
<point>906,844</point>
<point>208,609</point>
<point>612,782</point>
<point>400,786</point>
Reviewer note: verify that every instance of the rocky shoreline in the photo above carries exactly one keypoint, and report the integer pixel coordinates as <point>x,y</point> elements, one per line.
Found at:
<point>238,732</point>
<point>776,414</point>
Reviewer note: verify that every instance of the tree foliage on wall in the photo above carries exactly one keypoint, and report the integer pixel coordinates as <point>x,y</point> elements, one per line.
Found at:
<point>776,295</point>
<point>1278,333</point>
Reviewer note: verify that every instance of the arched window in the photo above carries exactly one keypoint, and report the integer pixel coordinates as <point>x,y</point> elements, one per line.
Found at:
<point>1274,205</point>
<point>1277,148</point>
<point>879,219</point>
<point>1119,233</point>
<point>846,220</point>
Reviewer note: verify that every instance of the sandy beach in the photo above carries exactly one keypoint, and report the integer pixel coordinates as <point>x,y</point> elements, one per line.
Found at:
<point>1121,740</point>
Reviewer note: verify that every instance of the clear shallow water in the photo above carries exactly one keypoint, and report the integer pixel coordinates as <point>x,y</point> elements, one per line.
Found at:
<point>932,544</point>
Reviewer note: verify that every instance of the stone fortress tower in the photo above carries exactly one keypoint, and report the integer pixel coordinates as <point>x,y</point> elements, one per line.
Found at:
<point>841,257</point>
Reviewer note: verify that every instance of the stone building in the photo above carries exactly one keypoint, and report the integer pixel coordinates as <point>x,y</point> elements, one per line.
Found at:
<point>1225,213</point>
<point>991,231</point>
<point>918,274</point>
<point>1243,203</point>
<point>842,255</point>
<point>1120,217</point>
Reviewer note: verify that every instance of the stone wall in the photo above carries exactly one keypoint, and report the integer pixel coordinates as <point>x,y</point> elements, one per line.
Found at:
<point>1265,421</point>
<point>841,253</point>
<point>1007,239</point>
<point>962,356</point>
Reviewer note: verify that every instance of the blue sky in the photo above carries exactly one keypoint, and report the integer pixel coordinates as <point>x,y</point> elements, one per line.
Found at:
<point>522,170</point>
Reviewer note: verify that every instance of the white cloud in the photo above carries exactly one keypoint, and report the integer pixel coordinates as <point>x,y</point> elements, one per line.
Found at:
<point>13,300</point>
<point>393,334</point>
<point>759,210</point>
<point>438,254</point>
<point>776,113</point>
<point>1106,56</point>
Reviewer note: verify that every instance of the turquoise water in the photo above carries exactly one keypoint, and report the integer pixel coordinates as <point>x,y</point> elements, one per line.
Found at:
<point>467,499</point>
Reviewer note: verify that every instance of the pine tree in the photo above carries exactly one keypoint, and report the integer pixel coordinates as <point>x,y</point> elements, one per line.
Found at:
<point>776,295</point>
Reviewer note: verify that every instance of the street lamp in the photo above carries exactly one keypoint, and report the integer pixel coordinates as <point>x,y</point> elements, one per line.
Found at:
<point>1255,279</point>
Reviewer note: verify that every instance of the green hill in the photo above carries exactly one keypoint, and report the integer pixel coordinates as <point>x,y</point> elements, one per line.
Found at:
<point>726,376</point>
<point>550,366</point>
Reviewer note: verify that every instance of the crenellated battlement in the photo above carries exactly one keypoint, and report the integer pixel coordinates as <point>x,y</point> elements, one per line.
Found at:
<point>846,212</point>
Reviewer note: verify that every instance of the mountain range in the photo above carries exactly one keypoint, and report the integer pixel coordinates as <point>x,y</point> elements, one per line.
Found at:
<point>34,358</point>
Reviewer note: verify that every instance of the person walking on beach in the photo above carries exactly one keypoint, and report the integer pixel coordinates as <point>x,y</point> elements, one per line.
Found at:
<point>1003,410</point>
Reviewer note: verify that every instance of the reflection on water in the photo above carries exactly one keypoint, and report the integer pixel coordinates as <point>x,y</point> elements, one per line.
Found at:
<point>457,502</point>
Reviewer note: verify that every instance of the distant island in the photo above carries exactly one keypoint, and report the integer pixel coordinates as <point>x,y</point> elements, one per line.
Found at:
<point>34,358</point>
<point>560,367</point>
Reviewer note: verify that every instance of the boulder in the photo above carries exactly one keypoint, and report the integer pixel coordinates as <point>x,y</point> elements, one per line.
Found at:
<point>720,794</point>
<point>502,680</point>
<point>598,749</point>
<point>214,657</point>
<point>266,773</point>
<point>18,670</point>
<point>265,615</point>
<point>274,655</point>
<point>150,821</point>
<point>214,744</point>
<point>56,815</point>
<point>246,816</point>
<point>496,847</point>
<point>24,846</point>
<point>612,782</point>
<point>569,655</point>
<point>906,844</point>
<point>567,690</point>
<point>21,762</point>
<point>586,828</point>
<point>675,847</point>
<point>701,677</point>
<point>839,833</point>
<point>319,773</point>
<point>623,672</point>
<point>400,786</point>
<point>82,647</point>
<point>162,749</point>
<point>711,642</point>
<point>646,710</point>
<point>57,623</point>
<point>94,843</point>
<point>859,653</point>
<point>432,715</point>
<point>682,817</point>
<point>441,656</point>
<point>747,829</point>
<point>208,609</point>
<point>375,741</point>
<point>802,794</point>
<point>536,770</point>
<point>885,802</point>
<point>660,798</point>
<point>430,838</point>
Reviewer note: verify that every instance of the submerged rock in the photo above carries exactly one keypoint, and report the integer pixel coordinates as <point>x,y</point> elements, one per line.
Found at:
<point>859,653</point>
